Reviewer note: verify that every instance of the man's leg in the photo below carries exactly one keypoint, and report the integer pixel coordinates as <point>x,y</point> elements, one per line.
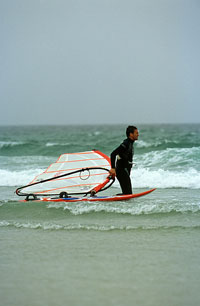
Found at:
<point>125,181</point>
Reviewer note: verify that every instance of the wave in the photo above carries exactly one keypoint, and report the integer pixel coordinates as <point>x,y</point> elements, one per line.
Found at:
<point>91,227</point>
<point>25,162</point>
<point>55,148</point>
<point>182,158</point>
<point>52,144</point>
<point>164,143</point>
<point>141,178</point>
<point>158,203</point>
<point>8,144</point>
<point>143,146</point>
<point>17,178</point>
<point>49,148</point>
<point>122,208</point>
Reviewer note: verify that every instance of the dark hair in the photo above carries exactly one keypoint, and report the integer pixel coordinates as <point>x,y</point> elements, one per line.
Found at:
<point>130,129</point>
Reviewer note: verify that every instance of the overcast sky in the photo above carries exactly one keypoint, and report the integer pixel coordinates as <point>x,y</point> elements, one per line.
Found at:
<point>99,61</point>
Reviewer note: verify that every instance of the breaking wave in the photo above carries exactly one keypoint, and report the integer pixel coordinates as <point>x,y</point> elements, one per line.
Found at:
<point>141,178</point>
<point>160,178</point>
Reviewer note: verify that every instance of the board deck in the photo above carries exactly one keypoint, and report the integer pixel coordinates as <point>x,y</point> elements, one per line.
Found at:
<point>122,197</point>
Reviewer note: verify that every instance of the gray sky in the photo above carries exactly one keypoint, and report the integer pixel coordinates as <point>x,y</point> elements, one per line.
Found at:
<point>99,61</point>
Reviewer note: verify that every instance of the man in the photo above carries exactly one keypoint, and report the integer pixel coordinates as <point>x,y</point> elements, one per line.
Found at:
<point>121,160</point>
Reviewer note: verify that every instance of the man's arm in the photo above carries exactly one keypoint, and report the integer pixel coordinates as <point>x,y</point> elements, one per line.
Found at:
<point>118,151</point>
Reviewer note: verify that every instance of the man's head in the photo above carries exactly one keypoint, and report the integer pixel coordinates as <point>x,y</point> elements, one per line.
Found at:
<point>132,132</point>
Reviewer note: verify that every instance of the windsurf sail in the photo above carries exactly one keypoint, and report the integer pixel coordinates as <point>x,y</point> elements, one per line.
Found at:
<point>72,173</point>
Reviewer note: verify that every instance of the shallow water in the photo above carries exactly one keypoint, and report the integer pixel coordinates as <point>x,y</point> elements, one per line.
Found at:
<point>141,252</point>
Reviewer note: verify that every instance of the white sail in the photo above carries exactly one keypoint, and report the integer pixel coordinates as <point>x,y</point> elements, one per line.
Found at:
<point>73,173</point>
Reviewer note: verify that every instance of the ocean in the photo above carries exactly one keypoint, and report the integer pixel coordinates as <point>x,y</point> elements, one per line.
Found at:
<point>143,252</point>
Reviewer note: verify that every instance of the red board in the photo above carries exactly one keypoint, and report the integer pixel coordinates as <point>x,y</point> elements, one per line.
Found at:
<point>123,197</point>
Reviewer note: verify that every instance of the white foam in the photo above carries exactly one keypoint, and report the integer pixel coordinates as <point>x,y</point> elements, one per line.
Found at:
<point>10,143</point>
<point>18,178</point>
<point>165,179</point>
<point>143,144</point>
<point>52,144</point>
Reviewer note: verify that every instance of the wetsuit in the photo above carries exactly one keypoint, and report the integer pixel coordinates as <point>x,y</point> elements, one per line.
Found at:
<point>121,159</point>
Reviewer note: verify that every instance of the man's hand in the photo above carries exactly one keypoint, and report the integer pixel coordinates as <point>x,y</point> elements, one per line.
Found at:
<point>112,172</point>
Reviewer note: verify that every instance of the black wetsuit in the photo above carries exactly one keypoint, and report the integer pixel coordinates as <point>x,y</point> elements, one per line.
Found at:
<point>121,159</point>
